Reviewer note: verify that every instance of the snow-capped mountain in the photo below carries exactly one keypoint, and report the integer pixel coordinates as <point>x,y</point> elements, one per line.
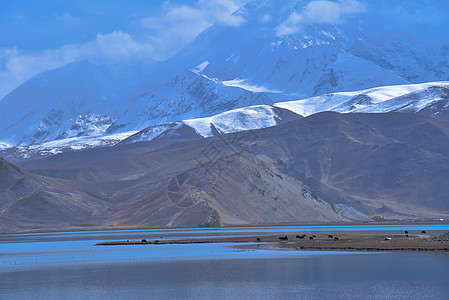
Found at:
<point>312,62</point>
<point>225,68</point>
<point>369,48</point>
<point>242,119</point>
<point>429,99</point>
<point>64,145</point>
<point>83,99</point>
<point>426,98</point>
<point>78,99</point>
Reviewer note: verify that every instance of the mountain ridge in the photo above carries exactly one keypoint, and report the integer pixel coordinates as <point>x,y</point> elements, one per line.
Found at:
<point>430,99</point>
<point>226,68</point>
<point>327,167</point>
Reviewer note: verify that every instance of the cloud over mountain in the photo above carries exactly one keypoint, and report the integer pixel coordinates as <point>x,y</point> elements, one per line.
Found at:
<point>154,37</point>
<point>182,23</point>
<point>319,12</point>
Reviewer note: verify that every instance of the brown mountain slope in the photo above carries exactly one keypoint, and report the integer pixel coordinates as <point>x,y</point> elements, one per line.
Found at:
<point>309,170</point>
<point>151,185</point>
<point>397,164</point>
<point>35,202</point>
<point>243,190</point>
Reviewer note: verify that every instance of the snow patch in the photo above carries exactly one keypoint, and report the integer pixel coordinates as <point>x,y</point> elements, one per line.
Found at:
<point>350,212</point>
<point>71,144</point>
<point>252,117</point>
<point>200,68</point>
<point>154,131</point>
<point>381,99</point>
<point>90,124</point>
<point>4,145</point>
<point>241,83</point>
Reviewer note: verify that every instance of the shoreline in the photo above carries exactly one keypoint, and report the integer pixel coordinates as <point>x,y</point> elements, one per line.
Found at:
<point>127,228</point>
<point>321,241</point>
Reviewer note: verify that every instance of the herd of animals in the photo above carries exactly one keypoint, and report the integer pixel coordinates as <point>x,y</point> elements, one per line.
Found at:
<point>285,238</point>
<point>311,237</point>
<point>330,236</point>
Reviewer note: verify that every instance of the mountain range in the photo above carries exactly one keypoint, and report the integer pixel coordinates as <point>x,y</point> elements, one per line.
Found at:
<point>429,99</point>
<point>327,167</point>
<point>282,119</point>
<point>225,68</point>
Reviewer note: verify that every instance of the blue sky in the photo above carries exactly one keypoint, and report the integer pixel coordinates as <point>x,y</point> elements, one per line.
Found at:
<point>46,34</point>
<point>38,25</point>
<point>36,35</point>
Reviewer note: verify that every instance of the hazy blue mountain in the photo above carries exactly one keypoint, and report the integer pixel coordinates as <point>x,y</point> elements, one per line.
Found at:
<point>371,44</point>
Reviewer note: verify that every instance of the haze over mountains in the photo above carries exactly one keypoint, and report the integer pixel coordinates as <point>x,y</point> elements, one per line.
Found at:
<point>282,119</point>
<point>430,99</point>
<point>268,58</point>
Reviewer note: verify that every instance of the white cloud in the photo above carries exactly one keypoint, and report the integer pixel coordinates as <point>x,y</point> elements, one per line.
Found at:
<point>319,12</point>
<point>16,67</point>
<point>109,47</point>
<point>167,34</point>
<point>182,23</point>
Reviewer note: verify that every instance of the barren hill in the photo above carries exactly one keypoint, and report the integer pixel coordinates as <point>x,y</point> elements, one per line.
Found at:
<point>328,167</point>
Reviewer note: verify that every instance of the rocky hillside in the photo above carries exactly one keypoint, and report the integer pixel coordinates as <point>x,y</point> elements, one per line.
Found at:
<point>328,167</point>
<point>34,202</point>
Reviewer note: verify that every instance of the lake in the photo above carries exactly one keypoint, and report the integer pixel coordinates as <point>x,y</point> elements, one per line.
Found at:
<point>68,265</point>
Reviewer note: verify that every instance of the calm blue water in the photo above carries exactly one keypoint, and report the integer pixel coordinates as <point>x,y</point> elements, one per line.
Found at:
<point>67,265</point>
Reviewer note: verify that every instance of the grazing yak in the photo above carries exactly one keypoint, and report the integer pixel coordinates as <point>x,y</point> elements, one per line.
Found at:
<point>283,238</point>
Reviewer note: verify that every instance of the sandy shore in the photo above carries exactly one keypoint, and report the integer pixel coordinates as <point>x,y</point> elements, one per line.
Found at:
<point>328,241</point>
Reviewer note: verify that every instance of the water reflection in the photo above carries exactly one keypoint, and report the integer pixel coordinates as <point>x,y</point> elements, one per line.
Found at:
<point>39,255</point>
<point>377,276</point>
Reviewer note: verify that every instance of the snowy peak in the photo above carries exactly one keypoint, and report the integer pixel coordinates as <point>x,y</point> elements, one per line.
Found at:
<point>427,98</point>
<point>95,106</point>
<point>165,131</point>
<point>253,117</point>
<point>188,95</point>
<point>313,62</point>
<point>46,106</point>
<point>309,56</point>
<point>431,99</point>
<point>282,51</point>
